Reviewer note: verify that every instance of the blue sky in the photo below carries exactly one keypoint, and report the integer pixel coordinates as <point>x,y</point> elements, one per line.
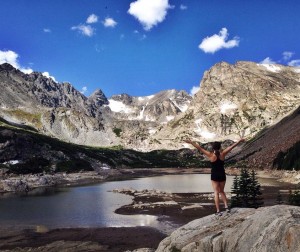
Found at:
<point>141,47</point>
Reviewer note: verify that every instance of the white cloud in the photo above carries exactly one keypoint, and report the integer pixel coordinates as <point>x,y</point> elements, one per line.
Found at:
<point>11,58</point>
<point>46,74</point>
<point>149,13</point>
<point>47,30</point>
<point>109,22</point>
<point>183,7</point>
<point>84,90</point>
<point>287,55</point>
<point>294,63</point>
<point>85,30</point>
<point>144,36</point>
<point>218,41</point>
<point>26,70</point>
<point>267,60</point>
<point>194,90</point>
<point>92,19</point>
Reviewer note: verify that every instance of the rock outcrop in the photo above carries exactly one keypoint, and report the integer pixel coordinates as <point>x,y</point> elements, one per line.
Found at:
<point>275,228</point>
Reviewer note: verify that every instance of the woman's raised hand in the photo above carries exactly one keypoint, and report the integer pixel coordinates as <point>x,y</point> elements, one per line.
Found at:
<point>188,141</point>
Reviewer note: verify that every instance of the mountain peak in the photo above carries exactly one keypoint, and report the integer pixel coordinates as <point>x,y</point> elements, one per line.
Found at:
<point>98,98</point>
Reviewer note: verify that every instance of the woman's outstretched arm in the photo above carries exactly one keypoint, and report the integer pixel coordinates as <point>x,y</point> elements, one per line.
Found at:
<point>198,147</point>
<point>228,149</point>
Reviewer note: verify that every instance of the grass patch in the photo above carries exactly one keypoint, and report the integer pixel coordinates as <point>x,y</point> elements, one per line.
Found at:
<point>34,119</point>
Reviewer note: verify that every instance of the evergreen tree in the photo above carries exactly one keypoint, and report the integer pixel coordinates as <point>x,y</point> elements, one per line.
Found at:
<point>244,183</point>
<point>294,197</point>
<point>246,191</point>
<point>235,192</point>
<point>255,198</point>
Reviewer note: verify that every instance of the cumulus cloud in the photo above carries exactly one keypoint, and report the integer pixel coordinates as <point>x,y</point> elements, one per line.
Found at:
<point>194,90</point>
<point>11,57</point>
<point>85,30</point>
<point>46,30</point>
<point>46,74</point>
<point>218,41</point>
<point>294,63</point>
<point>84,90</point>
<point>287,55</point>
<point>149,13</point>
<point>267,60</point>
<point>183,7</point>
<point>109,22</point>
<point>92,19</point>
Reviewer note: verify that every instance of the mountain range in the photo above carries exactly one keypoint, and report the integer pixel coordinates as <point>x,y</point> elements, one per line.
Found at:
<point>233,101</point>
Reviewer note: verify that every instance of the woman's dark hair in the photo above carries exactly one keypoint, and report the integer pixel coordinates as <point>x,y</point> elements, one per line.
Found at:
<point>216,146</point>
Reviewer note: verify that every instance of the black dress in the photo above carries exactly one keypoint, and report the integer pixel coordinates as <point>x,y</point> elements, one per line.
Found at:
<point>217,170</point>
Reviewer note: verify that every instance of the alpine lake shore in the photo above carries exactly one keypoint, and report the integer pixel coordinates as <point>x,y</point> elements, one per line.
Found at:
<point>180,208</point>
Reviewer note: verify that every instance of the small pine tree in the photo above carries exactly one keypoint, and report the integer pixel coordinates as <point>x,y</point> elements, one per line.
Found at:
<point>255,198</point>
<point>235,192</point>
<point>244,188</point>
<point>246,191</point>
<point>294,197</point>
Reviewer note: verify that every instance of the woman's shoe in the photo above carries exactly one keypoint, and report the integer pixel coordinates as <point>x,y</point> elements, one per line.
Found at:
<point>218,213</point>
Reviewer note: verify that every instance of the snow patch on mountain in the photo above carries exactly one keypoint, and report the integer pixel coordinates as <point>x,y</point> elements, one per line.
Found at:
<point>228,107</point>
<point>117,106</point>
<point>271,67</point>
<point>202,131</point>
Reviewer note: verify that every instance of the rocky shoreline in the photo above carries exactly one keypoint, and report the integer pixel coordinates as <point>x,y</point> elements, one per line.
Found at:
<point>28,182</point>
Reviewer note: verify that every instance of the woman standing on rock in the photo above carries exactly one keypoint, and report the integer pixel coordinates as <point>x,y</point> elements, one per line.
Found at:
<point>218,176</point>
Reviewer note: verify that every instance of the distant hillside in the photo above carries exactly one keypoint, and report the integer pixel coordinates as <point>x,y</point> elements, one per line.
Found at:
<point>25,151</point>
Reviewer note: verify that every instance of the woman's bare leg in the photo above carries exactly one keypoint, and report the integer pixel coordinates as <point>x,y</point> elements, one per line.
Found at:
<point>223,195</point>
<point>216,188</point>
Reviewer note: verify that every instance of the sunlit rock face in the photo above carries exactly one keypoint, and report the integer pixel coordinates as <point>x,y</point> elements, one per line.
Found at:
<point>237,101</point>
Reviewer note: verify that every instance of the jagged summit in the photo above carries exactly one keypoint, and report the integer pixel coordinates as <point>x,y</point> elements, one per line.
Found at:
<point>98,98</point>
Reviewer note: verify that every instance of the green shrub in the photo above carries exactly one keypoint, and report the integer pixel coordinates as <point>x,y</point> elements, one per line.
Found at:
<point>117,131</point>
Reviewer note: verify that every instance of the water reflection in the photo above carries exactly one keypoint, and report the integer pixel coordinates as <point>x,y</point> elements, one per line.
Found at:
<point>93,205</point>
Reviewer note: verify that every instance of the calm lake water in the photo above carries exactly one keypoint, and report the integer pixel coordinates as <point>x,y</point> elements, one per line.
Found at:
<point>94,205</point>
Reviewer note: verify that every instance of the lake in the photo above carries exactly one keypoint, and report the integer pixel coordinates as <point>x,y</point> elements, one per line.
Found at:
<point>94,205</point>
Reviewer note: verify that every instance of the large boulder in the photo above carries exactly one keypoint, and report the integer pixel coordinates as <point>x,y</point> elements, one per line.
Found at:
<point>275,228</point>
